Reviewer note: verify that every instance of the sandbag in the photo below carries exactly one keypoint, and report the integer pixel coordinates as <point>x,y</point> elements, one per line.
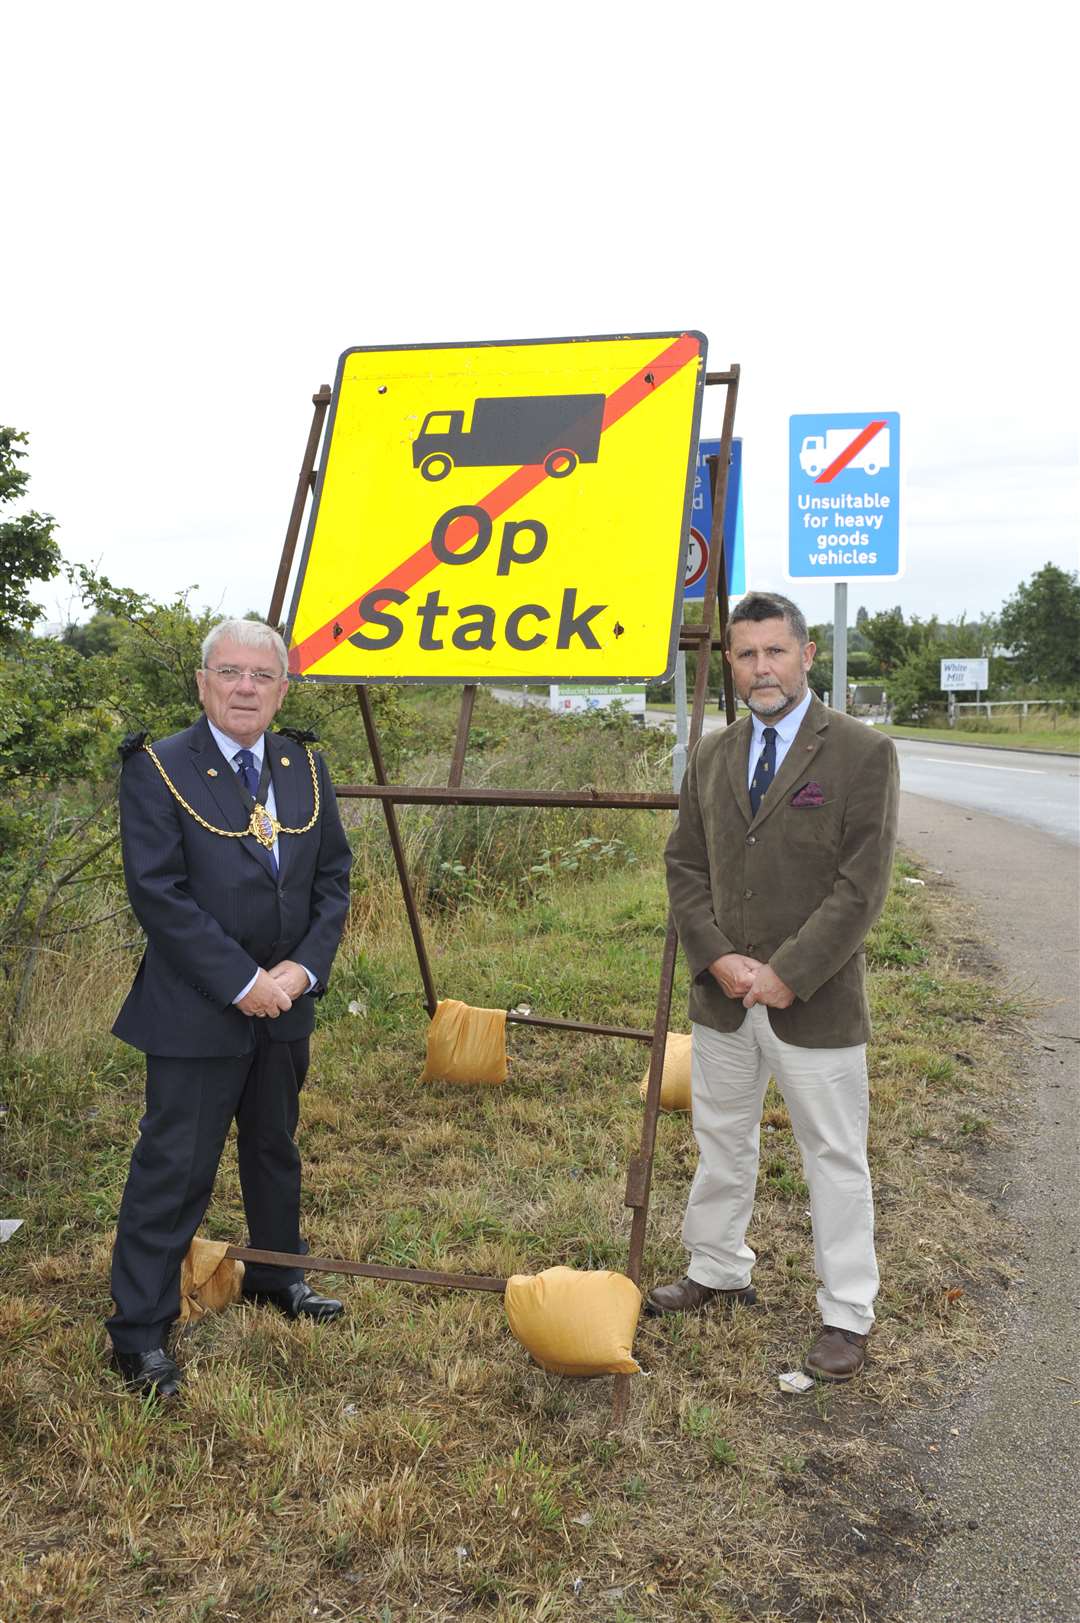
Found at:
<point>675,1082</point>
<point>209,1280</point>
<point>575,1323</point>
<point>465,1044</point>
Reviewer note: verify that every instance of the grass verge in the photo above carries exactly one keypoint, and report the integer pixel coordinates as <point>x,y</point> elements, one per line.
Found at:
<point>1065,739</point>
<point>411,1462</point>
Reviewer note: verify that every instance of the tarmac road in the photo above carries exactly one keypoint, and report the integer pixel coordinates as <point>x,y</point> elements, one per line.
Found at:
<point>1042,790</point>
<point>1008,1482</point>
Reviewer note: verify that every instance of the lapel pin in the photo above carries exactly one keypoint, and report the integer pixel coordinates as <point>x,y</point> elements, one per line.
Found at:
<point>285,761</point>
<point>211,772</point>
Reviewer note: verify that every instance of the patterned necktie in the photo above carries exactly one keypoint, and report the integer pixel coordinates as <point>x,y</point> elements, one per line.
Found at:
<point>249,777</point>
<point>765,771</point>
<point>245,771</point>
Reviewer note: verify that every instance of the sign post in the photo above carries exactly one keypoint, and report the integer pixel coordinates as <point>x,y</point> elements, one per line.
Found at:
<point>844,509</point>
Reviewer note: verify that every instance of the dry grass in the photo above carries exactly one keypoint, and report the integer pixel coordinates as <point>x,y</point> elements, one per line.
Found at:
<point>411,1462</point>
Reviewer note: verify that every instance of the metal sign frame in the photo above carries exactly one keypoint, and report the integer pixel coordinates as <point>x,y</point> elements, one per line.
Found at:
<point>704,639</point>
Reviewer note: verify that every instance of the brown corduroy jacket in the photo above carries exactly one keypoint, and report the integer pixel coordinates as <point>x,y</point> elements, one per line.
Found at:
<point>797,886</point>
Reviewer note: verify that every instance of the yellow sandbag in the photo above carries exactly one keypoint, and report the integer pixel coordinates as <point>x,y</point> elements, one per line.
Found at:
<point>209,1280</point>
<point>575,1323</point>
<point>465,1045</point>
<point>675,1082</point>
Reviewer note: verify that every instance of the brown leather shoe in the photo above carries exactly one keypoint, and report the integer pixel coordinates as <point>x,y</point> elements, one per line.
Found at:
<point>687,1296</point>
<point>836,1355</point>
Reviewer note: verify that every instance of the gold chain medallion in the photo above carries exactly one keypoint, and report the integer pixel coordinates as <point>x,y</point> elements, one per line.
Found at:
<point>262,826</point>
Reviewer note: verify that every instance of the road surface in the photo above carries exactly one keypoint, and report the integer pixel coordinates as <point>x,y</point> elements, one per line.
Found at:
<point>1042,791</point>
<point>1008,1444</point>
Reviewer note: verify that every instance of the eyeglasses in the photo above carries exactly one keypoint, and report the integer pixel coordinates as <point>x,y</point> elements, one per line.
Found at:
<point>230,674</point>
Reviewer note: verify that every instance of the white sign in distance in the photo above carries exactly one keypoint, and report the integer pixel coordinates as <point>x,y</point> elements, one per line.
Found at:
<point>572,701</point>
<point>965,675</point>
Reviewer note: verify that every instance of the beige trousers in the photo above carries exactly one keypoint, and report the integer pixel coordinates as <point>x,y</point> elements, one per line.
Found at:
<point>827,1097</point>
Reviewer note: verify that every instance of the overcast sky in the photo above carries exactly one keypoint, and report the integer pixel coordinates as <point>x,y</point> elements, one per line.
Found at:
<point>868,207</point>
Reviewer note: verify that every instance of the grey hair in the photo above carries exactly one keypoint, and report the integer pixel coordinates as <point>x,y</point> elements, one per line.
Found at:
<point>758,606</point>
<point>249,634</point>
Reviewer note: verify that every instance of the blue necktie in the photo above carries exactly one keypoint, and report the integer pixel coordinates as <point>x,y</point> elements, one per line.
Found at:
<point>765,771</point>
<point>245,771</point>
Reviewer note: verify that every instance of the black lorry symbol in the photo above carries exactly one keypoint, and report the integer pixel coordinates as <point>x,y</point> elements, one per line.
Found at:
<point>558,430</point>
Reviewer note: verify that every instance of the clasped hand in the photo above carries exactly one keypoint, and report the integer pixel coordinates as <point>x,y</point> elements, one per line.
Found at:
<point>275,990</point>
<point>740,976</point>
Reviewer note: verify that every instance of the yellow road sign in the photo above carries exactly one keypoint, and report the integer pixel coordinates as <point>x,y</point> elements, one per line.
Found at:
<point>502,512</point>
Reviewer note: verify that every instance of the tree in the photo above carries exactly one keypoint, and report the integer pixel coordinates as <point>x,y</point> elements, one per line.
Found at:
<point>1041,624</point>
<point>26,544</point>
<point>889,639</point>
<point>100,635</point>
<point>915,686</point>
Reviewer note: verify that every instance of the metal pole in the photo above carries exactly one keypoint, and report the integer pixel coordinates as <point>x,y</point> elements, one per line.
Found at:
<point>639,1172</point>
<point>678,760</point>
<point>430,996</point>
<point>839,646</point>
<point>722,604</point>
<point>457,763</point>
<point>304,483</point>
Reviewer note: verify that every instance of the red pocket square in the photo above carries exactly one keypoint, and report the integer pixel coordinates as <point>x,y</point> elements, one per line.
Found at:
<point>809,795</point>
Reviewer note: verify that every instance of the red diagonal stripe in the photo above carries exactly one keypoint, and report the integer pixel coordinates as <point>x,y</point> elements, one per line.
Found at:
<point>849,451</point>
<point>645,381</point>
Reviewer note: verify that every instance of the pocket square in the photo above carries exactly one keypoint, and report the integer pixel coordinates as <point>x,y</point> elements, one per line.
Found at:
<point>809,795</point>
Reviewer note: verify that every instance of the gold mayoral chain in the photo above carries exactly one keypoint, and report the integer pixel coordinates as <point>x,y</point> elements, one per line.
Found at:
<point>262,826</point>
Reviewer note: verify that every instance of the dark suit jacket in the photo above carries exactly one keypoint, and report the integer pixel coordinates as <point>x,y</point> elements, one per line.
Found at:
<point>797,887</point>
<point>212,909</point>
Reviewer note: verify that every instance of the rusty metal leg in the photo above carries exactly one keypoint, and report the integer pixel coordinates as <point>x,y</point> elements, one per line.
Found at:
<point>722,604</point>
<point>457,764</point>
<point>430,998</point>
<point>716,558</point>
<point>639,1175</point>
<point>320,401</point>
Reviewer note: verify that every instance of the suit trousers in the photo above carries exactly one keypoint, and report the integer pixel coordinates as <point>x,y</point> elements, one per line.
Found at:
<point>190,1104</point>
<point>827,1097</point>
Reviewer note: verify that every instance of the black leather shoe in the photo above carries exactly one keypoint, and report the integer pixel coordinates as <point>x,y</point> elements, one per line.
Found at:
<point>298,1301</point>
<point>151,1373</point>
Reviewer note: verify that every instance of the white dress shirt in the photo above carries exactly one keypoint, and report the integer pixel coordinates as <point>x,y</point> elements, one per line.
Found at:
<point>229,748</point>
<point>786,728</point>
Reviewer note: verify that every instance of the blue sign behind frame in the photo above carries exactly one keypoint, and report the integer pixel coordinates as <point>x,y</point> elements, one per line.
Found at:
<point>697,560</point>
<point>844,496</point>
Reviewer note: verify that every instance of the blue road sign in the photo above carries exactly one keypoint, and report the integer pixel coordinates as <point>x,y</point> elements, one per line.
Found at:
<point>697,558</point>
<point>844,496</point>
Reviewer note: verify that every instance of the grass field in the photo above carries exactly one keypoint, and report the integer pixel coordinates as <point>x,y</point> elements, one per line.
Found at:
<point>1064,738</point>
<point>411,1462</point>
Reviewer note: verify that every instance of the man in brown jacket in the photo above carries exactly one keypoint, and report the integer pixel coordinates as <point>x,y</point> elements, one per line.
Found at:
<point>778,866</point>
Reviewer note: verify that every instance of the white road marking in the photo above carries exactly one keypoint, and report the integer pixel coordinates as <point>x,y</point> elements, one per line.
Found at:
<point>981,766</point>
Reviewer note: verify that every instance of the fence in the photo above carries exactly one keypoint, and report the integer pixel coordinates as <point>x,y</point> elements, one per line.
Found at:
<point>1042,712</point>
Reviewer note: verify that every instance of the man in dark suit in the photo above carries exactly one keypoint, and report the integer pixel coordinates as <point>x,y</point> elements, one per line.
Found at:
<point>778,866</point>
<point>237,868</point>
